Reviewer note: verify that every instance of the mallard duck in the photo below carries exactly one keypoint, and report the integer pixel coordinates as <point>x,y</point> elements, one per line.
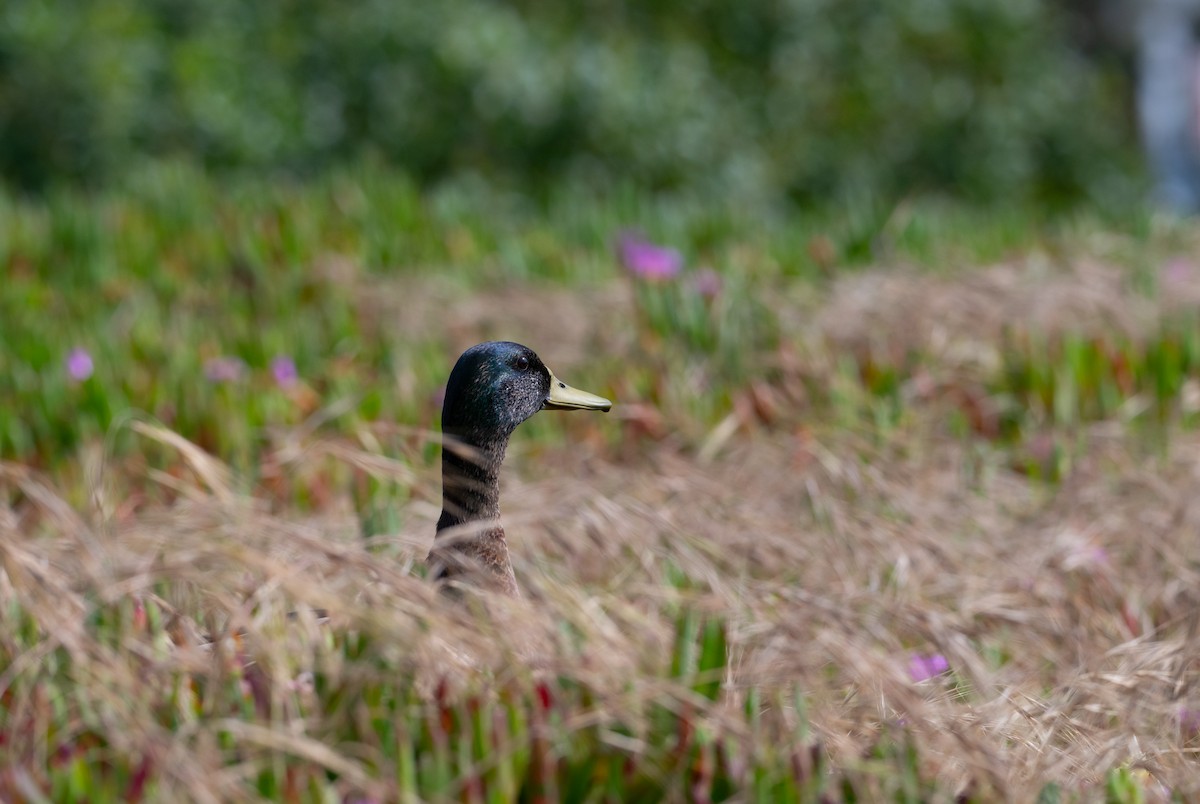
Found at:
<point>493,387</point>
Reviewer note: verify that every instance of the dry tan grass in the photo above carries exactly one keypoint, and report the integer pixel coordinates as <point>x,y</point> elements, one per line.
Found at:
<point>577,322</point>
<point>964,320</point>
<point>1067,617</point>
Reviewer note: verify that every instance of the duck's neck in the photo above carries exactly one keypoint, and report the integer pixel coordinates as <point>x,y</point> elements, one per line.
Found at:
<point>471,497</point>
<point>470,480</point>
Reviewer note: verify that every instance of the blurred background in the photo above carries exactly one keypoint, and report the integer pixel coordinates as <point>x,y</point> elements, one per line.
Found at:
<point>808,102</point>
<point>233,215</point>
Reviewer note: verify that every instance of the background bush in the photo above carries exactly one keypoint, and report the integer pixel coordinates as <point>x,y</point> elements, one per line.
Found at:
<point>803,99</point>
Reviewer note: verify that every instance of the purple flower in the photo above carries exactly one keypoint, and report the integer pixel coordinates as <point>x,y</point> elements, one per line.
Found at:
<point>1177,272</point>
<point>707,283</point>
<point>1097,556</point>
<point>224,369</point>
<point>1189,720</point>
<point>79,364</point>
<point>1084,555</point>
<point>283,369</point>
<point>645,260</point>
<point>924,666</point>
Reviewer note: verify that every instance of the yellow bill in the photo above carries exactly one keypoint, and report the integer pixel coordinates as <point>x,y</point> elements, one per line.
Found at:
<point>564,397</point>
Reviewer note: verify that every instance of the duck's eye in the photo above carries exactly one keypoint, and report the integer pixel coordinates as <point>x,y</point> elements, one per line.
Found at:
<point>521,363</point>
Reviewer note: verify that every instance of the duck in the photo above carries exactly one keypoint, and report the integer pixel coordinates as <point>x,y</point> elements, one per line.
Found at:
<point>493,388</point>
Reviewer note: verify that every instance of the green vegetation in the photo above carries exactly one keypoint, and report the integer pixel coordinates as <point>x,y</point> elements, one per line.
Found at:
<point>805,100</point>
<point>183,292</point>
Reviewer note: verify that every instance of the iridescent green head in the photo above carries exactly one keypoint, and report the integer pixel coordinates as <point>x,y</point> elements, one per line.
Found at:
<point>495,386</point>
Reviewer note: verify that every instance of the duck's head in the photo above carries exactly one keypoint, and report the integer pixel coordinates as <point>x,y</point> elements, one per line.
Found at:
<point>499,384</point>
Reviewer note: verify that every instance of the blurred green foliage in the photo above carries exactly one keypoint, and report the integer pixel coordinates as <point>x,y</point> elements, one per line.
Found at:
<point>182,289</point>
<point>800,99</point>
